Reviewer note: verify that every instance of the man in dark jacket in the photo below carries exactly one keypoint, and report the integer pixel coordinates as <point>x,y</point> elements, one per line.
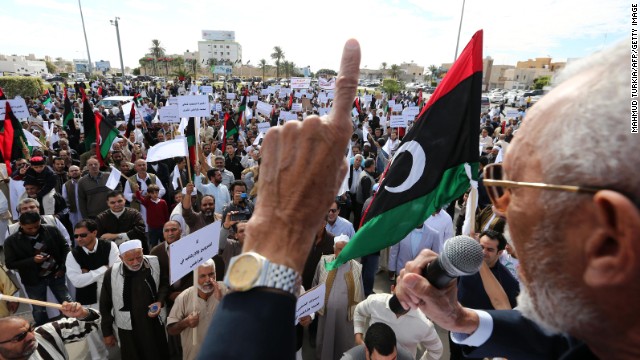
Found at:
<point>38,252</point>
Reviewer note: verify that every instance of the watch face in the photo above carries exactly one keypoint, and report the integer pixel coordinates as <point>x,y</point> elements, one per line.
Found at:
<point>244,272</point>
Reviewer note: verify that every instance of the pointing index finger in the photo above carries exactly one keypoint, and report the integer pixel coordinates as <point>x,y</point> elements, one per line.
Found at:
<point>346,86</point>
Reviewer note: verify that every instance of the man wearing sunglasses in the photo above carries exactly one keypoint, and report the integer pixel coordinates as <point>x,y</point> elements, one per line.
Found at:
<point>20,340</point>
<point>569,190</point>
<point>86,265</point>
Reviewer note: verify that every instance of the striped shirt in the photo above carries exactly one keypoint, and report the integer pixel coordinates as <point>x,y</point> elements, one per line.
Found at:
<point>53,336</point>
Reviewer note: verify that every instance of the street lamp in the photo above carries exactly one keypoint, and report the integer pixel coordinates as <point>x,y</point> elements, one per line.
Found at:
<point>85,36</point>
<point>459,29</point>
<point>115,23</point>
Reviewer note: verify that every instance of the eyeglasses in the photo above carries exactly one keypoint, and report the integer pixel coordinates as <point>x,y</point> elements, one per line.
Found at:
<point>20,336</point>
<point>333,210</point>
<point>75,236</point>
<point>493,180</point>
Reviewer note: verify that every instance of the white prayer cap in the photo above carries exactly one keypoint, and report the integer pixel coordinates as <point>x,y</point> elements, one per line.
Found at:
<point>341,238</point>
<point>130,245</point>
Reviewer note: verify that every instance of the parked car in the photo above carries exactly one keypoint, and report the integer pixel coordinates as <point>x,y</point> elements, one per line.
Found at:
<point>485,104</point>
<point>112,102</point>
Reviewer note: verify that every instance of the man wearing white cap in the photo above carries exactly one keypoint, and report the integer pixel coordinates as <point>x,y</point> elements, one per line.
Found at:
<point>129,298</point>
<point>344,290</point>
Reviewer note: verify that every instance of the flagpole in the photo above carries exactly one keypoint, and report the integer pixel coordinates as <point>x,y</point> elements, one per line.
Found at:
<point>459,29</point>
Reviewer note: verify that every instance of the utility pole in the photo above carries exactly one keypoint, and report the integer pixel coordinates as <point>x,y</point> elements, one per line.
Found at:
<point>115,23</point>
<point>459,29</point>
<point>85,37</point>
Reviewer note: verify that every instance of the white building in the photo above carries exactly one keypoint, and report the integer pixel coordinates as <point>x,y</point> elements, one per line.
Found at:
<point>219,45</point>
<point>21,65</point>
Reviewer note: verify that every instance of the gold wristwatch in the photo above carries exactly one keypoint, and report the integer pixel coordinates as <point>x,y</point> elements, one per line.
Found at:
<point>250,270</point>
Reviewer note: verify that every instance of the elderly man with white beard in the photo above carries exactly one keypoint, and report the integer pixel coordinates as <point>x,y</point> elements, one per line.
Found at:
<point>194,308</point>
<point>571,199</point>
<point>129,299</point>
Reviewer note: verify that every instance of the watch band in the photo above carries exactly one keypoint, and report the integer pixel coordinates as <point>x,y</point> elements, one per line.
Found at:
<point>283,278</point>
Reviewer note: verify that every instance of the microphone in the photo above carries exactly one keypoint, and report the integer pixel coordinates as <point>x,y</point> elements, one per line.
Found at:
<point>461,256</point>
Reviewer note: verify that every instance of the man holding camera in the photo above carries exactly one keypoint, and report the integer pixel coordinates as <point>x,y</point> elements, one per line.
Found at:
<point>242,206</point>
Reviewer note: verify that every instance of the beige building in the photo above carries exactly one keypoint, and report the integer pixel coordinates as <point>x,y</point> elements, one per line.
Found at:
<point>411,72</point>
<point>498,77</point>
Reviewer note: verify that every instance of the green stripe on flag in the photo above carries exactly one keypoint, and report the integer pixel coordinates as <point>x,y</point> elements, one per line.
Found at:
<point>382,229</point>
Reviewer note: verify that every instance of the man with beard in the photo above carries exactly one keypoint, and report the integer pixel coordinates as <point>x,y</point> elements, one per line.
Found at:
<point>20,340</point>
<point>215,187</point>
<point>60,172</point>
<point>130,300</point>
<point>577,243</point>
<point>92,190</point>
<point>194,308</point>
<point>194,219</point>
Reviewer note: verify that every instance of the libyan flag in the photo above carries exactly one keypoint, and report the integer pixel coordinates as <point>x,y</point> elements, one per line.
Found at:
<point>47,98</point>
<point>428,169</point>
<point>192,136</point>
<point>13,143</point>
<point>106,134</point>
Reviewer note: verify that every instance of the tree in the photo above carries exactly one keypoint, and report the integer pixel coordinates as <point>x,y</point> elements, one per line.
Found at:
<point>157,51</point>
<point>144,62</point>
<point>182,73</point>
<point>391,87</point>
<point>394,71</point>
<point>383,67</point>
<point>263,66</point>
<point>326,72</point>
<point>192,63</point>
<point>541,82</point>
<point>434,72</point>
<point>277,55</point>
<point>136,71</point>
<point>51,67</point>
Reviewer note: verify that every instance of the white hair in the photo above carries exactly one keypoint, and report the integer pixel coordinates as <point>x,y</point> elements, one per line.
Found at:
<point>208,263</point>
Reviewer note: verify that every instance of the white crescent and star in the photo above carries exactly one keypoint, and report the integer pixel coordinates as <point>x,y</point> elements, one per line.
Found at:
<point>417,168</point>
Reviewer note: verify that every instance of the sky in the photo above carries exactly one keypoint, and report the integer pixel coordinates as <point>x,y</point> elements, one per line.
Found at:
<point>312,33</point>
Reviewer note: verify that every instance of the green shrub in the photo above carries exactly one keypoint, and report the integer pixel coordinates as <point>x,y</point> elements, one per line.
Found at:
<point>22,86</point>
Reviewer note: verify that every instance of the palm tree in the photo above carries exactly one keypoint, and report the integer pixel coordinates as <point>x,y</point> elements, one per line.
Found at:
<point>277,55</point>
<point>394,71</point>
<point>383,66</point>
<point>434,72</point>
<point>156,51</point>
<point>263,66</point>
<point>143,64</point>
<point>182,73</point>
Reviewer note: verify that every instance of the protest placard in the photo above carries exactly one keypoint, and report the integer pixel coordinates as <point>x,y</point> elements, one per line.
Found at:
<point>330,95</point>
<point>263,127</point>
<point>18,107</point>
<point>253,98</point>
<point>192,250</point>
<point>172,101</point>
<point>300,83</point>
<point>310,302</point>
<point>411,110</point>
<point>408,117</point>
<point>218,107</point>
<point>367,98</point>
<point>231,96</point>
<point>398,121</point>
<point>327,84</point>
<point>264,108</point>
<point>512,113</point>
<point>322,98</point>
<point>396,108</point>
<point>391,103</point>
<point>169,114</point>
<point>264,92</point>
<point>296,107</point>
<point>284,115</point>
<point>193,105</point>
<point>206,89</point>
<point>323,111</point>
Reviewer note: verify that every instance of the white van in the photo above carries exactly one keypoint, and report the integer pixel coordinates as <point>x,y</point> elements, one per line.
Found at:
<point>485,104</point>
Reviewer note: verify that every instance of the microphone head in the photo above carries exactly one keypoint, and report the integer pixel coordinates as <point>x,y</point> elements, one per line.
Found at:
<point>461,256</point>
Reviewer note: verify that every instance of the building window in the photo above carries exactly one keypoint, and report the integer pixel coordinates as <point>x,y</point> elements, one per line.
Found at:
<point>227,53</point>
<point>215,46</point>
<point>227,46</point>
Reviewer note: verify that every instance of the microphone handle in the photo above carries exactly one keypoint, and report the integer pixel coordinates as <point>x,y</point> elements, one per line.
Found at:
<point>435,274</point>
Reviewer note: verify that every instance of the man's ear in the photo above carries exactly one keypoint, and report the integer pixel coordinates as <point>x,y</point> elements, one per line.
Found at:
<point>612,253</point>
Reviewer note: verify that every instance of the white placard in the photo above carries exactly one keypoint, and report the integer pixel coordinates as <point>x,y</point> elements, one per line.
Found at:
<point>284,115</point>
<point>396,108</point>
<point>264,108</point>
<point>231,96</point>
<point>271,89</point>
<point>323,111</point>
<point>411,110</point>
<point>186,254</point>
<point>391,103</point>
<point>310,302</point>
<point>368,98</point>
<point>253,98</point>
<point>264,92</point>
<point>193,105</point>
<point>298,95</point>
<point>354,112</point>
<point>322,98</point>
<point>511,113</point>
<point>409,117</point>
<point>263,127</point>
<point>282,95</point>
<point>300,83</point>
<point>18,107</point>
<point>296,107</point>
<point>172,101</point>
<point>207,89</point>
<point>169,114</point>
<point>398,121</point>
<point>285,90</point>
<point>327,84</point>
<point>218,107</point>
<point>330,95</point>
<point>194,89</point>
<point>16,189</point>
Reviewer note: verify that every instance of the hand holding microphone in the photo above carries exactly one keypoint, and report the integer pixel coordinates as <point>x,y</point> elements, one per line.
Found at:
<point>427,282</point>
